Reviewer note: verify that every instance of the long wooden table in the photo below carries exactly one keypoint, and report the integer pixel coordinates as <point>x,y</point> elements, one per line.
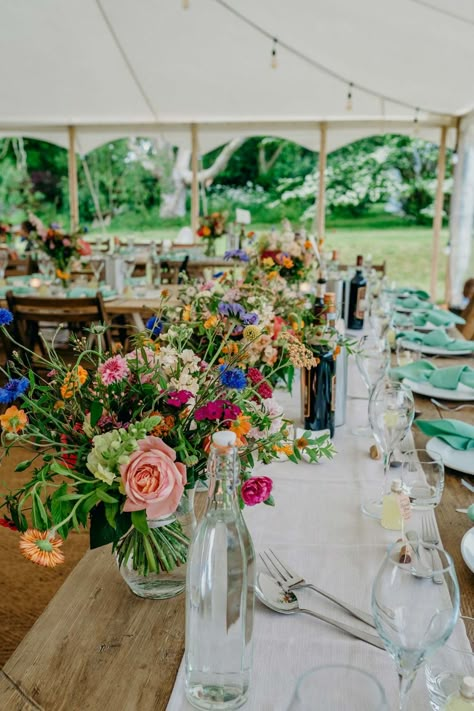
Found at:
<point>97,646</point>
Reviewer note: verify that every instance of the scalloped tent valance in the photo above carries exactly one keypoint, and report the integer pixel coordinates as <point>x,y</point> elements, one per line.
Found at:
<point>114,68</point>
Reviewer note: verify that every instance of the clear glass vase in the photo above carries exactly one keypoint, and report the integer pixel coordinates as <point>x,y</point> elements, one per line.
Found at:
<point>154,566</point>
<point>210,250</point>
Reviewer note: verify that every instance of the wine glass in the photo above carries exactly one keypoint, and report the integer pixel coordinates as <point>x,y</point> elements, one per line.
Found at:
<point>129,260</point>
<point>373,359</point>
<point>422,476</point>
<point>391,412</point>
<point>338,686</point>
<point>380,317</point>
<point>413,615</point>
<point>4,256</point>
<point>96,263</point>
<point>46,267</point>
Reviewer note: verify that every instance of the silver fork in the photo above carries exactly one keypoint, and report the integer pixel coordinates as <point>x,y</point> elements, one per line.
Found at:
<point>430,535</point>
<point>451,408</point>
<point>291,580</point>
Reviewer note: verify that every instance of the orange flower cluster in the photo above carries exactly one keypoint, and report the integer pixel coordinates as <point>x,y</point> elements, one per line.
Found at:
<point>164,427</point>
<point>73,381</point>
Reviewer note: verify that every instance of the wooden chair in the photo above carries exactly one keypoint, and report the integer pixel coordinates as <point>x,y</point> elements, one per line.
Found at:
<point>19,267</point>
<point>468,315</point>
<point>32,314</point>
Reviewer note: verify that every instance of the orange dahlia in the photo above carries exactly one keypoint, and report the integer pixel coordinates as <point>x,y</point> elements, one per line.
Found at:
<point>42,547</point>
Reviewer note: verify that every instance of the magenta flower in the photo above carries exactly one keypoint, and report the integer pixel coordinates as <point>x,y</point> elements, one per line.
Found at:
<point>114,370</point>
<point>256,490</point>
<point>217,410</point>
<point>178,398</point>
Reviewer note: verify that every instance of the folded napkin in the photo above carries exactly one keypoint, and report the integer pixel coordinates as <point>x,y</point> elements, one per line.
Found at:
<point>17,290</point>
<point>438,317</point>
<point>413,302</point>
<point>437,339</point>
<point>420,293</point>
<point>87,292</point>
<point>459,435</point>
<point>422,371</point>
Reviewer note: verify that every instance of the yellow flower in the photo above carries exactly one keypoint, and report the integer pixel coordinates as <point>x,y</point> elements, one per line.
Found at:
<point>230,348</point>
<point>268,262</point>
<point>272,275</point>
<point>73,381</point>
<point>251,333</point>
<point>62,275</point>
<point>206,231</point>
<point>59,405</point>
<point>287,262</point>
<point>210,322</point>
<point>187,313</point>
<point>301,443</point>
<point>14,420</point>
<point>42,547</point>
<point>308,244</point>
<point>284,449</point>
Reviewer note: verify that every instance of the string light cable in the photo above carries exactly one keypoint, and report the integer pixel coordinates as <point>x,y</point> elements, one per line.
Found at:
<point>323,68</point>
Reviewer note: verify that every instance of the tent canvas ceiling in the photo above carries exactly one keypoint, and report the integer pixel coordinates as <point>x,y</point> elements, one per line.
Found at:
<point>117,67</point>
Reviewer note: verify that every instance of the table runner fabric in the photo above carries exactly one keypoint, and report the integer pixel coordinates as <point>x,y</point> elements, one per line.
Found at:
<point>317,528</point>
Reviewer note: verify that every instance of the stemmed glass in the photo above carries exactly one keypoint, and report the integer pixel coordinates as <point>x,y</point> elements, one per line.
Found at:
<point>96,262</point>
<point>4,256</point>
<point>373,359</point>
<point>46,267</point>
<point>391,412</point>
<point>380,317</point>
<point>413,615</point>
<point>129,260</point>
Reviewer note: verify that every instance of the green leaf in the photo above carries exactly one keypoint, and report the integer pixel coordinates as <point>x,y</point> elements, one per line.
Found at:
<point>39,515</point>
<point>139,521</point>
<point>22,466</point>
<point>60,509</point>
<point>101,532</point>
<point>270,501</point>
<point>105,497</point>
<point>111,511</point>
<point>96,412</point>
<point>58,468</point>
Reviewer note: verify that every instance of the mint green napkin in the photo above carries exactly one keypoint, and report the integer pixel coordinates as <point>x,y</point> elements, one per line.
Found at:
<point>438,317</point>
<point>420,293</point>
<point>413,302</point>
<point>422,371</point>
<point>437,339</point>
<point>77,292</point>
<point>458,434</point>
<point>17,290</point>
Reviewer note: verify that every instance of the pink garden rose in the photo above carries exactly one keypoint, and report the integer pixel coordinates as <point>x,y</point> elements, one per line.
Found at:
<point>256,490</point>
<point>153,480</point>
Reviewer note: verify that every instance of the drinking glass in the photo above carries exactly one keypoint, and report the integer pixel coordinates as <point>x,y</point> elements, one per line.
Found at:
<point>129,264</point>
<point>391,412</point>
<point>405,355</point>
<point>96,262</point>
<point>4,256</point>
<point>372,358</point>
<point>422,477</point>
<point>447,667</point>
<point>380,317</point>
<point>46,267</point>
<point>414,615</point>
<point>338,687</point>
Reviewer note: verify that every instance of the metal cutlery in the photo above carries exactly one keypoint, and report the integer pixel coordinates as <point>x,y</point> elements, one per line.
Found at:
<point>468,485</point>
<point>451,408</point>
<point>275,597</point>
<point>429,534</point>
<point>290,580</point>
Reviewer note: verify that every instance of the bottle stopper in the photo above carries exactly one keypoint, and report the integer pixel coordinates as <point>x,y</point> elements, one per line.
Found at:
<point>224,438</point>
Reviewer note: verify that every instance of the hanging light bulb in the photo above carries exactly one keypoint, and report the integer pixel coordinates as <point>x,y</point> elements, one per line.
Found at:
<point>416,121</point>
<point>274,62</point>
<point>349,97</point>
<point>185,4</point>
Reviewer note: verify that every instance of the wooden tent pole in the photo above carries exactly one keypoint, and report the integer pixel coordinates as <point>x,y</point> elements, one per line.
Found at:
<point>73,188</point>
<point>438,212</point>
<point>194,182</point>
<point>321,198</point>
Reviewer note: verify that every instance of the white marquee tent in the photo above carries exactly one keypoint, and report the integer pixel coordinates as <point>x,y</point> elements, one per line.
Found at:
<point>113,68</point>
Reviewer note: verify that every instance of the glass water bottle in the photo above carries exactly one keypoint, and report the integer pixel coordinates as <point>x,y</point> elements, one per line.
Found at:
<point>220,589</point>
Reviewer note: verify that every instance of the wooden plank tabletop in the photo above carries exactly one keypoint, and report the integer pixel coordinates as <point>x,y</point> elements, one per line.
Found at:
<point>97,646</point>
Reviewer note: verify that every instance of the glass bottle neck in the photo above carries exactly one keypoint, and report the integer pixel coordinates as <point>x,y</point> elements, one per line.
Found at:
<point>223,469</point>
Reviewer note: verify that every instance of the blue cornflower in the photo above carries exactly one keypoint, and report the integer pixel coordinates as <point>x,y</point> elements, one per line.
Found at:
<point>6,317</point>
<point>237,254</point>
<point>232,377</point>
<point>155,326</point>
<point>13,389</point>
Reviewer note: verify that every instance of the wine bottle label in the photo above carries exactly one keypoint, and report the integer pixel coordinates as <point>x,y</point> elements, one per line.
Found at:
<point>333,394</point>
<point>306,395</point>
<point>360,307</point>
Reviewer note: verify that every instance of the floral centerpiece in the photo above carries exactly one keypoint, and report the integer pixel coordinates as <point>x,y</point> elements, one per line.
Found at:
<point>287,255</point>
<point>60,247</point>
<point>211,227</point>
<point>118,442</point>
